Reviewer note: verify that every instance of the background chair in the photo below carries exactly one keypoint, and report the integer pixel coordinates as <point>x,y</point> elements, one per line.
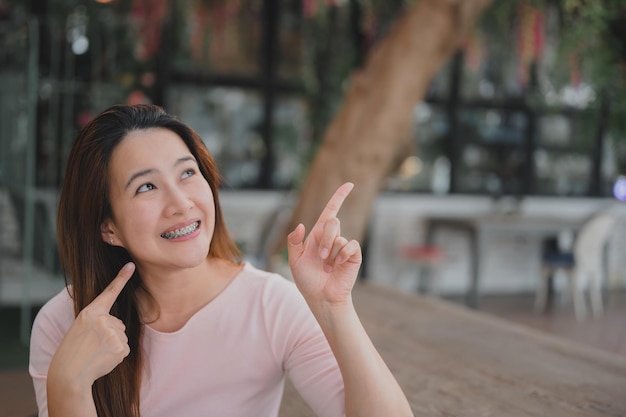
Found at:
<point>584,265</point>
<point>423,260</point>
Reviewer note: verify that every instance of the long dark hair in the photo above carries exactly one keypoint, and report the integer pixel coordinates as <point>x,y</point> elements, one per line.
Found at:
<point>90,264</point>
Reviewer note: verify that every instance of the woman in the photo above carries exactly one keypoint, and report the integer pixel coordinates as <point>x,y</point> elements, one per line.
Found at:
<point>163,318</point>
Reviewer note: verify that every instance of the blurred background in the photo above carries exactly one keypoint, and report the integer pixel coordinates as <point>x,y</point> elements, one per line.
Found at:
<point>518,143</point>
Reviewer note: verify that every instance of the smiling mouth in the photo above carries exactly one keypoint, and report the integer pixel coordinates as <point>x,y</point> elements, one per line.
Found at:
<point>183,231</point>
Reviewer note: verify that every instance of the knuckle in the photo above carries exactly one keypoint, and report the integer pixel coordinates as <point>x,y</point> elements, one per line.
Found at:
<point>101,321</point>
<point>119,322</point>
<point>121,348</point>
<point>116,344</point>
<point>88,315</point>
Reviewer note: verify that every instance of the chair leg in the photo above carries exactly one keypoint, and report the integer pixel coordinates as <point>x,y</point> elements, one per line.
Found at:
<point>425,279</point>
<point>398,273</point>
<point>595,295</point>
<point>578,297</point>
<point>541,294</point>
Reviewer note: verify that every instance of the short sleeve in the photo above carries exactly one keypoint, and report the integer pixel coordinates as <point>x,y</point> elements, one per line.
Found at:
<point>302,348</point>
<point>49,328</point>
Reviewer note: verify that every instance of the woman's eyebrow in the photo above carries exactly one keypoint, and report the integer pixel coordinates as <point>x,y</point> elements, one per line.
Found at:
<point>184,159</point>
<point>149,171</point>
<point>139,174</point>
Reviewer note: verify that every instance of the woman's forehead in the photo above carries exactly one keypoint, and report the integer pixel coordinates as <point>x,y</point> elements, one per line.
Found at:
<point>147,149</point>
<point>151,144</point>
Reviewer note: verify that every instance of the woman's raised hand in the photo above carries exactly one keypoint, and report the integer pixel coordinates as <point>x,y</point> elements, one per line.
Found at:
<point>325,265</point>
<point>96,342</point>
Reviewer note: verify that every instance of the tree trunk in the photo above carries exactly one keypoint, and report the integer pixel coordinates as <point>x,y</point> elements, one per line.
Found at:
<point>375,120</point>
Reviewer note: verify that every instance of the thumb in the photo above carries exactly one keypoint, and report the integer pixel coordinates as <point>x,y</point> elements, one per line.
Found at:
<point>295,246</point>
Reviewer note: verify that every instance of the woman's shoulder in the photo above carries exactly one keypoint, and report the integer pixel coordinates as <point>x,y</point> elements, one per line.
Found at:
<point>273,291</point>
<point>57,313</point>
<point>256,278</point>
<point>50,326</point>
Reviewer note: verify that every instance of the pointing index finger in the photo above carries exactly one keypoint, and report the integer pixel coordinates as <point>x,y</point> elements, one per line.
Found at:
<point>115,287</point>
<point>335,202</point>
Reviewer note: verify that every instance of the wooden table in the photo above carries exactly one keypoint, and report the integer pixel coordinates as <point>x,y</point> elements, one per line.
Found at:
<point>453,361</point>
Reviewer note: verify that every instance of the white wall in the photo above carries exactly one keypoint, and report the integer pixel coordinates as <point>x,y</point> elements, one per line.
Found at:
<point>509,260</point>
<point>510,256</point>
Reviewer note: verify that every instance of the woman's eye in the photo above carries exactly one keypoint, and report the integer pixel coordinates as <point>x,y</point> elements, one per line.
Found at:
<point>145,187</point>
<point>188,173</point>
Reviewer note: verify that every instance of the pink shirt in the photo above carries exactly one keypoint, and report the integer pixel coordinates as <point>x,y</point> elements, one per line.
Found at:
<point>230,358</point>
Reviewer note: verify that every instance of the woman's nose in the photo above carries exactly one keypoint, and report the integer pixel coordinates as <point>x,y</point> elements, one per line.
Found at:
<point>178,201</point>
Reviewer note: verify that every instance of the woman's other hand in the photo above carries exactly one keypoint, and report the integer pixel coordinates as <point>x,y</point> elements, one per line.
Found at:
<point>325,265</point>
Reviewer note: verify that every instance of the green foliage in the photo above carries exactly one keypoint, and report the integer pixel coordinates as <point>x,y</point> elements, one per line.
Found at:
<point>590,38</point>
<point>331,52</point>
<point>328,60</point>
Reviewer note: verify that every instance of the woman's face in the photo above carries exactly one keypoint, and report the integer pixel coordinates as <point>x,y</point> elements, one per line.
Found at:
<point>163,208</point>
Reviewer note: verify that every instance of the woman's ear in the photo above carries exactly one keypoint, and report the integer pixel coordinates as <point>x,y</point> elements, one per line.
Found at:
<point>107,231</point>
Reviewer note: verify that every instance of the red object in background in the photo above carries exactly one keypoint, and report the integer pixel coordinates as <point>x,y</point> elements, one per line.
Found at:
<point>83,118</point>
<point>530,39</point>
<point>137,97</point>
<point>149,16</point>
<point>422,253</point>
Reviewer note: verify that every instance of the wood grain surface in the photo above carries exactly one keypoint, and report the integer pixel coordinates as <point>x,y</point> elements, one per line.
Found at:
<point>453,361</point>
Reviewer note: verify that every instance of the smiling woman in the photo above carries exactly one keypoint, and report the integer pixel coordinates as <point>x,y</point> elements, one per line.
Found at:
<point>163,318</point>
<point>162,208</point>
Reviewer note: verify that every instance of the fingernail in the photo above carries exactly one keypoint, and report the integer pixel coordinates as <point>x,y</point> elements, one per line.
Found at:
<point>324,253</point>
<point>129,266</point>
<point>328,268</point>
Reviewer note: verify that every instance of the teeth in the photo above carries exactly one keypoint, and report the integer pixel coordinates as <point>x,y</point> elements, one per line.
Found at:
<point>173,234</point>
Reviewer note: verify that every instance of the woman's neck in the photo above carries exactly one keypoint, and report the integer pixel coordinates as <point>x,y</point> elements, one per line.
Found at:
<point>170,299</point>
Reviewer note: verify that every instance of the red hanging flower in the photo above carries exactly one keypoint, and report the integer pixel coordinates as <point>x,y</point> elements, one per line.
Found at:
<point>149,16</point>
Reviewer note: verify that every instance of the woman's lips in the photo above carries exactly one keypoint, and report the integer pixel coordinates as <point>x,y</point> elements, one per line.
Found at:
<point>183,231</point>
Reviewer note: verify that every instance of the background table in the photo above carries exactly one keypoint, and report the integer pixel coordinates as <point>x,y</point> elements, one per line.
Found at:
<point>477,228</point>
<point>453,361</point>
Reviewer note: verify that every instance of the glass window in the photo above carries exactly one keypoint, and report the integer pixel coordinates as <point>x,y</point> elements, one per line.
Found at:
<point>610,164</point>
<point>563,174</point>
<point>492,126</point>
<point>423,167</point>
<point>228,120</point>
<point>290,140</point>
<point>492,156</point>
<point>575,130</point>
<point>491,170</point>
<point>554,130</point>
